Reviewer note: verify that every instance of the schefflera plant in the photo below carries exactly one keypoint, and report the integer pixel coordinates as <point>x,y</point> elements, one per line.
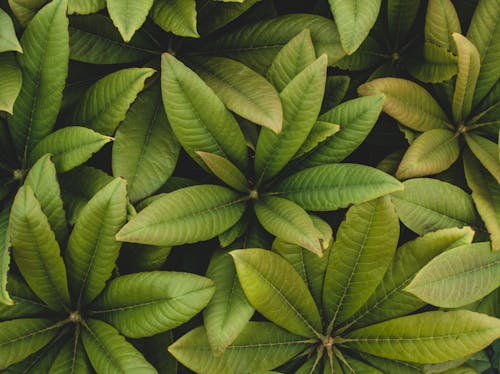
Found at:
<point>70,312</point>
<point>347,311</point>
<point>470,127</point>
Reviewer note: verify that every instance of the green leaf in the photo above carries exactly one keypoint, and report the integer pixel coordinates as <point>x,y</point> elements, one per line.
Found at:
<point>145,150</point>
<point>335,91</point>
<point>198,117</point>
<point>213,15</point>
<point>187,215</point>
<point>72,355</point>
<point>5,298</point>
<point>365,244</point>
<point>85,6</point>
<point>408,103</point>
<point>44,63</point>
<point>10,81</point>
<point>354,20</point>
<point>435,64</point>
<point>256,45</point>
<point>8,38</point>
<point>458,277</point>
<point>22,337</point>
<point>40,361</point>
<point>225,170</point>
<point>301,100</point>
<point>432,152</point>
<point>105,104</point>
<point>275,289</point>
<point>389,300</point>
<point>430,337</point>
<point>36,251</point>
<point>356,119</point>
<point>242,90</point>
<point>391,366</point>
<point>25,303</point>
<point>428,204</point>
<point>292,59</point>
<point>109,352</point>
<point>260,346</point>
<point>401,15</point>
<point>154,351</point>
<point>367,56</point>
<point>146,304</point>
<point>486,151</point>
<point>484,33</point>
<point>176,16</point>
<point>320,133</point>
<point>329,187</point>
<point>70,147</point>
<point>360,367</point>
<point>441,21</point>
<point>468,71</point>
<point>94,39</point>
<point>43,181</point>
<point>229,311</point>
<point>92,248</point>
<point>128,15</point>
<point>486,196</point>
<point>288,221</point>
<point>24,10</point>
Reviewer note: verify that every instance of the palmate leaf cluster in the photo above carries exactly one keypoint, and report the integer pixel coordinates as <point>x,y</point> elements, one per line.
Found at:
<point>240,186</point>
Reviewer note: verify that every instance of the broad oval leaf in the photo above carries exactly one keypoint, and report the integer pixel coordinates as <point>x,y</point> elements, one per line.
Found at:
<point>187,215</point>
<point>275,289</point>
<point>198,117</point>
<point>85,6</point>
<point>365,244</point>
<point>176,16</point>
<point>486,151</point>
<point>260,346</point>
<point>36,251</point>
<point>432,152</point>
<point>334,186</point>
<point>44,63</point>
<point>428,204</point>
<point>242,90</point>
<point>441,21</point>
<point>11,79</point>
<point>430,337</point>
<point>408,103</point>
<point>8,38</point>
<point>225,170</point>
<point>354,20</point>
<point>24,10</point>
<point>109,352</point>
<point>435,64</point>
<point>145,150</point>
<point>70,147</point>
<point>20,338</point>
<point>458,277</point>
<point>92,248</point>
<point>105,104</point>
<point>128,15</point>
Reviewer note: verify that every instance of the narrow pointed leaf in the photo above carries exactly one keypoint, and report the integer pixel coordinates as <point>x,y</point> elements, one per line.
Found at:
<point>176,16</point>
<point>320,132</point>
<point>335,91</point>
<point>146,304</point>
<point>40,361</point>
<point>70,147</point>
<point>25,303</point>
<point>229,311</point>
<point>441,21</point>
<point>128,15</point>
<point>458,277</point>
<point>36,251</point>
<point>294,57</point>
<point>365,244</point>
<point>198,117</point>
<point>92,248</point>
<point>401,15</point>
<point>329,187</point>
<point>24,10</point>
<point>71,356</point>
<point>356,119</point>
<point>145,150</point>
<point>432,152</point>
<point>274,288</point>
<point>187,215</point>
<point>225,170</point>
<point>301,100</point>
<point>260,346</point>
<point>428,204</point>
<point>105,104</point>
<point>4,256</point>
<point>23,337</point>
<point>486,151</point>
<point>468,72</point>
<point>109,352</point>
<point>408,103</point>
<point>43,181</point>
<point>430,337</point>
<point>8,38</point>
<point>288,221</point>
<point>484,33</point>
<point>11,79</point>
<point>354,20</point>
<point>44,63</point>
